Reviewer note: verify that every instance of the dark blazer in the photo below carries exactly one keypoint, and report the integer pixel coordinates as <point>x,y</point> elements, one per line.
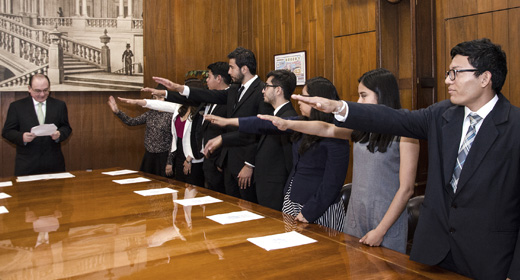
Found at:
<point>273,163</point>
<point>317,175</point>
<point>480,223</point>
<point>236,149</point>
<point>42,155</point>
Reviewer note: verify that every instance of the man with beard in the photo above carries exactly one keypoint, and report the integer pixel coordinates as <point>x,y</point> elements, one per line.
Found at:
<point>243,99</point>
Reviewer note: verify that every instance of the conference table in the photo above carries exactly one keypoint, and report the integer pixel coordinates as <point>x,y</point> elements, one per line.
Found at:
<point>91,227</point>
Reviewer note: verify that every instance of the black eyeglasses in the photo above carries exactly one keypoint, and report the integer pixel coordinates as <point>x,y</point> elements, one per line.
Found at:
<point>266,86</point>
<point>453,73</point>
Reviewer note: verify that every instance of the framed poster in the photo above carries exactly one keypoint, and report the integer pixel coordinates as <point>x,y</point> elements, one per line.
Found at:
<point>294,62</point>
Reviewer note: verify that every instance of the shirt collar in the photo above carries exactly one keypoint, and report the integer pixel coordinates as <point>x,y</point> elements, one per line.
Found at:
<point>484,110</point>
<point>248,83</point>
<point>36,102</point>
<point>278,108</point>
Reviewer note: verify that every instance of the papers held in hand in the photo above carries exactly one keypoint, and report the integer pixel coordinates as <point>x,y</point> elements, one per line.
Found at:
<point>44,129</point>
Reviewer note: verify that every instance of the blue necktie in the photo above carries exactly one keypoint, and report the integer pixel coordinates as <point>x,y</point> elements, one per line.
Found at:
<point>464,149</point>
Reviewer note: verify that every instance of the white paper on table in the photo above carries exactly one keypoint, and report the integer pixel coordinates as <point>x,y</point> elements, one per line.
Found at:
<point>29,178</point>
<point>235,217</point>
<point>155,191</point>
<point>6,184</point>
<point>119,172</point>
<point>281,241</point>
<point>131,180</point>
<point>4,195</point>
<point>3,210</point>
<point>197,201</point>
<point>44,129</point>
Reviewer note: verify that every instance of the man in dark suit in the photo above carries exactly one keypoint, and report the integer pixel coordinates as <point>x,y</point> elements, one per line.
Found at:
<point>273,161</point>
<point>470,218</point>
<point>37,154</point>
<point>218,79</point>
<point>243,99</point>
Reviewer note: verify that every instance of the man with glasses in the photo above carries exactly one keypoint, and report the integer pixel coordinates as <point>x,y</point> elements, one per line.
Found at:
<point>37,154</point>
<point>470,218</point>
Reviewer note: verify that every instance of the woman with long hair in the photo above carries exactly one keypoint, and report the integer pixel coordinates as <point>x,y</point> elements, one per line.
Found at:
<point>384,168</point>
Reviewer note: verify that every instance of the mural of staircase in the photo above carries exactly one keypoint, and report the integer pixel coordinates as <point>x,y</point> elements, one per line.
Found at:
<point>80,73</point>
<point>73,66</point>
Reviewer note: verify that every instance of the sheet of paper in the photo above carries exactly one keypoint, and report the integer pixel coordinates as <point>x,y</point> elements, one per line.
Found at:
<point>6,184</point>
<point>4,195</point>
<point>155,191</point>
<point>131,180</point>
<point>119,172</point>
<point>197,201</point>
<point>281,241</point>
<point>3,210</point>
<point>44,129</point>
<point>235,217</point>
<point>29,178</point>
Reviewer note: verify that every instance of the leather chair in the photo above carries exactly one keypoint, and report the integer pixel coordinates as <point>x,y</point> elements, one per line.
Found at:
<point>413,208</point>
<point>346,190</point>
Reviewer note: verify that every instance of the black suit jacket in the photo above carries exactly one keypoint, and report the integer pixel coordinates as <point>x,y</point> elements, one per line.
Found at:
<point>236,150</point>
<point>42,155</point>
<point>480,223</point>
<point>273,163</point>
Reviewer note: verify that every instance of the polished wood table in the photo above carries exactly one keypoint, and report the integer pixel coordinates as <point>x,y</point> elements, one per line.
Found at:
<point>90,227</point>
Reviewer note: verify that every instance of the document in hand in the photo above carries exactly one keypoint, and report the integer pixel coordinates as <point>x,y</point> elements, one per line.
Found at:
<point>44,129</point>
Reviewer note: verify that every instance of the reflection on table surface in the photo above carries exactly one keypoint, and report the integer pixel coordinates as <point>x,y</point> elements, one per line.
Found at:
<point>90,227</point>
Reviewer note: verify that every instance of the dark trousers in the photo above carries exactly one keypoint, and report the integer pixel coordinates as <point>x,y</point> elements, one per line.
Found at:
<point>214,178</point>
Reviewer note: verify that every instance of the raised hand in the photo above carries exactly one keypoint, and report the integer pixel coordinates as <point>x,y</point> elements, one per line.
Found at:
<point>280,123</point>
<point>319,103</point>
<point>112,103</point>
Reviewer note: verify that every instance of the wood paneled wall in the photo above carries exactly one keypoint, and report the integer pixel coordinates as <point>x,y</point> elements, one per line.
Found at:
<point>499,21</point>
<point>98,140</point>
<point>184,35</point>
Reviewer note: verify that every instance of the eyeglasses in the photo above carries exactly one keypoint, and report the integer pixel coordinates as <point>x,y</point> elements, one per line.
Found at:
<point>453,72</point>
<point>266,86</point>
<point>39,91</point>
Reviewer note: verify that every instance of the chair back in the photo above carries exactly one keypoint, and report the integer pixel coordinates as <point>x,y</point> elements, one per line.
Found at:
<point>346,190</point>
<point>413,208</point>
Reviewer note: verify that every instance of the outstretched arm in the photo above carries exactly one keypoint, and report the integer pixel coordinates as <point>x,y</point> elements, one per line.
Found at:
<point>220,121</point>
<point>409,155</point>
<point>322,104</point>
<point>140,102</point>
<point>318,128</point>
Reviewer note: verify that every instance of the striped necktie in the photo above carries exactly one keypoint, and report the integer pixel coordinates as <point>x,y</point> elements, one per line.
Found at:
<point>464,149</point>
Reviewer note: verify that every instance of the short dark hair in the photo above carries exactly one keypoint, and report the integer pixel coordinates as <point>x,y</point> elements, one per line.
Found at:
<point>38,75</point>
<point>285,79</point>
<point>221,68</point>
<point>243,57</point>
<point>484,56</point>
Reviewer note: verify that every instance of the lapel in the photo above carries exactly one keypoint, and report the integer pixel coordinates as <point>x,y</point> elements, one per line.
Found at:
<point>50,111</point>
<point>278,114</point>
<point>249,92</point>
<point>451,134</point>
<point>32,117</point>
<point>486,136</point>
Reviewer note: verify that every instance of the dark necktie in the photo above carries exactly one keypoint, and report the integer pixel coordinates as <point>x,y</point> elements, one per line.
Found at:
<point>240,90</point>
<point>464,149</point>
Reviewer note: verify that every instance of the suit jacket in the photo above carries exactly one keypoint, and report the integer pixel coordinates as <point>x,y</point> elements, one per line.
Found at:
<point>208,131</point>
<point>273,163</point>
<point>42,155</point>
<point>236,150</point>
<point>480,223</point>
